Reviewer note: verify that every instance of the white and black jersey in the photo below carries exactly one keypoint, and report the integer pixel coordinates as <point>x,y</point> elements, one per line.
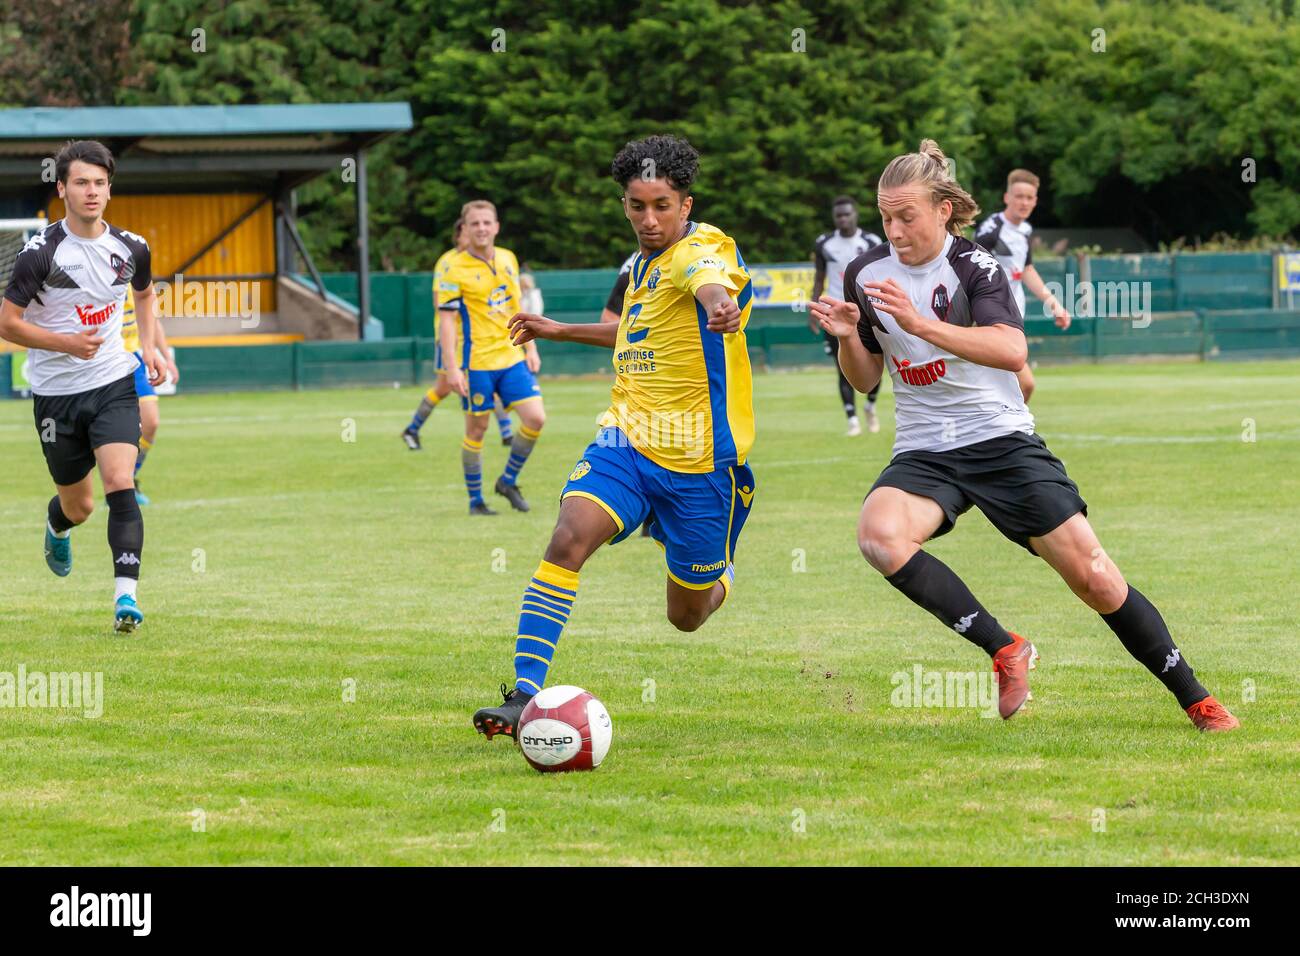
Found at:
<point>833,252</point>
<point>68,284</point>
<point>943,402</point>
<point>615,301</point>
<point>1010,244</point>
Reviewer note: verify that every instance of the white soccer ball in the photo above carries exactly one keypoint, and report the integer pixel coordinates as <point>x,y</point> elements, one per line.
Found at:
<point>565,728</point>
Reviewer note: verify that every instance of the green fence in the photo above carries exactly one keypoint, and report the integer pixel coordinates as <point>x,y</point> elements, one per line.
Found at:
<point>1183,282</point>
<point>1209,335</point>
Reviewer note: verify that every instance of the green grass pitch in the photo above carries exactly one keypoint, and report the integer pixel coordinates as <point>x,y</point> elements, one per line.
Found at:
<point>284,565</point>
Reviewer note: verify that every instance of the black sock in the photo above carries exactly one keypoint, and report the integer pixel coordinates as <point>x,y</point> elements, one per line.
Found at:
<point>933,585</point>
<point>1142,631</point>
<point>125,533</point>
<point>848,396</point>
<point>58,520</point>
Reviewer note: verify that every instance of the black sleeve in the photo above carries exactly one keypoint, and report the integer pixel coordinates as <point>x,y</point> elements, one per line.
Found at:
<point>143,276</point>
<point>1029,251</point>
<point>819,260</point>
<point>987,234</point>
<point>866,314</point>
<point>988,290</point>
<point>30,271</point>
<point>615,301</point>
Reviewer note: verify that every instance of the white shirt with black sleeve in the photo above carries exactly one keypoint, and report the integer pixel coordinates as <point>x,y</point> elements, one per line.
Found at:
<point>1011,246</point>
<point>68,284</point>
<point>833,252</point>
<point>942,402</point>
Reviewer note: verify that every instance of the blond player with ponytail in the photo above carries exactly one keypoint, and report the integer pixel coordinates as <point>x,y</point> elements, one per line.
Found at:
<point>937,310</point>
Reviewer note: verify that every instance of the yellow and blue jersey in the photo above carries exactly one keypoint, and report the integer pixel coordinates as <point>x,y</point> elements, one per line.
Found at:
<point>486,294</point>
<point>130,328</point>
<point>683,395</point>
<point>437,337</point>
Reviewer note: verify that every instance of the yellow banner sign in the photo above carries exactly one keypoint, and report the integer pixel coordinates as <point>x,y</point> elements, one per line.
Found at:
<point>782,286</point>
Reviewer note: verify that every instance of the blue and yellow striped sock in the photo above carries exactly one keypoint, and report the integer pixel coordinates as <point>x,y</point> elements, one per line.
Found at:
<point>145,445</point>
<point>520,449</point>
<point>506,426</point>
<point>427,405</point>
<point>471,460</point>
<point>548,599</point>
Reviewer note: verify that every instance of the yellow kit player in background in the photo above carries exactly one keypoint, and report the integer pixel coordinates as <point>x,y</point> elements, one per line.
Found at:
<point>148,395</point>
<point>478,292</point>
<point>440,389</point>
<point>673,443</point>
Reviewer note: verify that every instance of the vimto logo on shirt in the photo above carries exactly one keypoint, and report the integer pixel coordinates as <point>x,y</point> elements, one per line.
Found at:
<point>89,315</point>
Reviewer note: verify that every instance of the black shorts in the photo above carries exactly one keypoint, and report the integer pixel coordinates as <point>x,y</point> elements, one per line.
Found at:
<point>71,427</point>
<point>1021,487</point>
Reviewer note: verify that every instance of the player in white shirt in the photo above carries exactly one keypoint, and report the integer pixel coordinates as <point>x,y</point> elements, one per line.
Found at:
<point>65,303</point>
<point>936,310</point>
<point>1007,234</point>
<point>832,254</point>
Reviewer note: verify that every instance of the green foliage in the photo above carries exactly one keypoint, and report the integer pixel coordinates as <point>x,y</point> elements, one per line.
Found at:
<point>1134,114</point>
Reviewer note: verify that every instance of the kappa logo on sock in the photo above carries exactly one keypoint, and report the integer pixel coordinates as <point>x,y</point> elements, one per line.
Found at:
<point>962,626</point>
<point>127,558</point>
<point>1172,660</point>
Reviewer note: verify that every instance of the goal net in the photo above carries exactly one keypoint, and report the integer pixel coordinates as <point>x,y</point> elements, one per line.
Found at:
<point>14,234</point>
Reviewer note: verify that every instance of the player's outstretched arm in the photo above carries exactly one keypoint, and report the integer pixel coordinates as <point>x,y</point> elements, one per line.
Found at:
<point>994,346</point>
<point>1035,284</point>
<point>861,367</point>
<point>526,327</point>
<point>724,315</point>
<point>16,329</point>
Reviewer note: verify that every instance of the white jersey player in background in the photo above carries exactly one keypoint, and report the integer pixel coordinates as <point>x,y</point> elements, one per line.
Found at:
<point>832,254</point>
<point>936,310</point>
<point>1007,234</point>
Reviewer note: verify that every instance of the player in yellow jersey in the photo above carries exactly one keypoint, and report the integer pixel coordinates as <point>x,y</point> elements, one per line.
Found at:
<point>673,443</point>
<point>478,291</point>
<point>145,392</point>
<point>440,389</point>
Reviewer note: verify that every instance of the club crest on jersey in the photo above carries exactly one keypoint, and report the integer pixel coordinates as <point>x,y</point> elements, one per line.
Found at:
<point>982,259</point>
<point>939,301</point>
<point>653,281</point>
<point>89,315</point>
<point>579,470</point>
<point>119,266</point>
<point>499,298</point>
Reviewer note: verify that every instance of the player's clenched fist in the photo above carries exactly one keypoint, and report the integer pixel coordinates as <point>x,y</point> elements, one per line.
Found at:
<point>724,317</point>
<point>838,318</point>
<point>524,327</point>
<point>84,344</point>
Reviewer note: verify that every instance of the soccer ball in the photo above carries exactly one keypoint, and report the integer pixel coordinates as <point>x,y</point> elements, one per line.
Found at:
<point>564,728</point>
